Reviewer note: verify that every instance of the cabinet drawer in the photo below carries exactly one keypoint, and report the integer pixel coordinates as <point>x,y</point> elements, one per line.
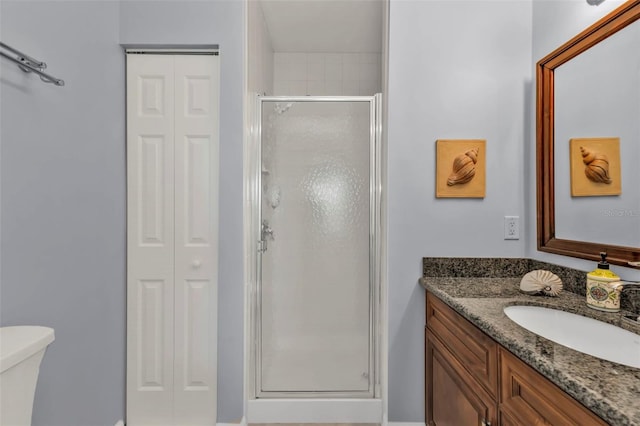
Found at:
<point>476,351</point>
<point>527,396</point>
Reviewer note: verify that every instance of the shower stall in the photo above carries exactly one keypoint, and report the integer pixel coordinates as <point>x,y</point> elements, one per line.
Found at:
<point>315,222</point>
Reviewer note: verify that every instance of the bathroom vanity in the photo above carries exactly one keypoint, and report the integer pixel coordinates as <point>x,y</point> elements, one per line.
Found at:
<point>482,368</point>
<point>463,365</point>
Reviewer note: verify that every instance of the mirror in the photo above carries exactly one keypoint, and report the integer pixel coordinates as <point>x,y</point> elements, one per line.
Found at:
<point>579,96</point>
<point>592,98</point>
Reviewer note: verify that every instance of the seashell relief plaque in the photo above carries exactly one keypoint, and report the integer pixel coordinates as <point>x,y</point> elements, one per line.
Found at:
<point>460,168</point>
<point>595,167</point>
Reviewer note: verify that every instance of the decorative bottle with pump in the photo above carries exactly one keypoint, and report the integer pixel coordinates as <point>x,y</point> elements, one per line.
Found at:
<point>602,294</point>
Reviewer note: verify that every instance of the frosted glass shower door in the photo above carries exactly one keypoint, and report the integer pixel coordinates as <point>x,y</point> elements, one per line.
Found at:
<point>314,298</point>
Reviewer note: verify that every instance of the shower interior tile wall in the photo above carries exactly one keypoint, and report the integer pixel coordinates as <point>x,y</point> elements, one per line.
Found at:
<point>327,74</point>
<point>260,51</point>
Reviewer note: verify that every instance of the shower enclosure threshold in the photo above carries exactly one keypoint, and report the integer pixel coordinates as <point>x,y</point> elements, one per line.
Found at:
<point>314,411</point>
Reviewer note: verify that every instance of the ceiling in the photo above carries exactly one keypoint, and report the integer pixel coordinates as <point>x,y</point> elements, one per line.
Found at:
<point>324,25</point>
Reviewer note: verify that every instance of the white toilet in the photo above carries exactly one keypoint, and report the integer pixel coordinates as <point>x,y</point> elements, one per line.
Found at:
<point>21,351</point>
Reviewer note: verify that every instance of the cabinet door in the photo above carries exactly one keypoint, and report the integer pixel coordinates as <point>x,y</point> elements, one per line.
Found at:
<point>476,351</point>
<point>526,397</point>
<point>453,397</point>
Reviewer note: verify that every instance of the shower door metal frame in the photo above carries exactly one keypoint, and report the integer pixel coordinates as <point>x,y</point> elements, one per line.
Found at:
<point>375,301</point>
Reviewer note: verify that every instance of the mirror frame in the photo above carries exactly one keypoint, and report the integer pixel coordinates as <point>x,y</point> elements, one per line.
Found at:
<point>618,19</point>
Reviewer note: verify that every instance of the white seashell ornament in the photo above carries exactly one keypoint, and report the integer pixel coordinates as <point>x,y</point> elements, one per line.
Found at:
<point>541,281</point>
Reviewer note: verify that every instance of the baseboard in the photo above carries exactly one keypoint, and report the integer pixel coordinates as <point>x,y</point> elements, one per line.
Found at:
<point>387,424</point>
<point>243,422</point>
<point>405,424</point>
<point>314,411</point>
<point>121,423</point>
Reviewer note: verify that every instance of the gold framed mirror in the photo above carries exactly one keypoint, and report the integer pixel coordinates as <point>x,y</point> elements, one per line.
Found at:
<point>620,18</point>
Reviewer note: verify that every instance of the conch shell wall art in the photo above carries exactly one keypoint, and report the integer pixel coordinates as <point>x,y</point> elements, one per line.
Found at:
<point>460,168</point>
<point>595,167</point>
<point>464,167</point>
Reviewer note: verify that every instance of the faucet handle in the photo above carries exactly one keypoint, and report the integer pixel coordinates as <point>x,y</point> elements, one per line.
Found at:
<point>267,232</point>
<point>625,285</point>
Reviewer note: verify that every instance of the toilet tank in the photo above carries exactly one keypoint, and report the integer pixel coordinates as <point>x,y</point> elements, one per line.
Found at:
<point>21,351</point>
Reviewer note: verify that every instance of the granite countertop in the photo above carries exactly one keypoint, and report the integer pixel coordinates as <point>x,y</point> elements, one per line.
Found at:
<point>610,390</point>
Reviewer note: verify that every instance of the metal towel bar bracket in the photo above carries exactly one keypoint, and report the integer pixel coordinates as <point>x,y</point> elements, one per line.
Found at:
<point>28,64</point>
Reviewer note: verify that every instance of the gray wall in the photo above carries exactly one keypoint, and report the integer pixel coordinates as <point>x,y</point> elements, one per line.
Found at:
<point>458,69</point>
<point>64,191</point>
<point>63,204</point>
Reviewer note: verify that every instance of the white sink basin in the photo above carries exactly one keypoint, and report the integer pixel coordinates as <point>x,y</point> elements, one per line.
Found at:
<point>580,333</point>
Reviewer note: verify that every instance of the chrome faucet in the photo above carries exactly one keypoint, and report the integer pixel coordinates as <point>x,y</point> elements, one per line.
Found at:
<point>624,285</point>
<point>620,286</point>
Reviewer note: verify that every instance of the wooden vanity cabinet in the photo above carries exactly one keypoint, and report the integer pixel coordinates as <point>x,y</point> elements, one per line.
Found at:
<point>472,380</point>
<point>461,370</point>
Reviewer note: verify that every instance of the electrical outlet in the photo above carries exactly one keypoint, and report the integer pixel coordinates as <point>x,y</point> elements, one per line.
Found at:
<point>512,227</point>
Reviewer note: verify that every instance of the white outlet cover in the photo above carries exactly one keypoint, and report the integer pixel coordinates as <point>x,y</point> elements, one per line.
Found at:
<point>512,227</point>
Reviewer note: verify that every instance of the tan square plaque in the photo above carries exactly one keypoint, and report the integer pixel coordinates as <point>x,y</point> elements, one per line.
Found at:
<point>460,168</point>
<point>595,167</point>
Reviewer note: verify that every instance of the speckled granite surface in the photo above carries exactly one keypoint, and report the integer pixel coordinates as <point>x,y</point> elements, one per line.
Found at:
<point>610,390</point>
<point>573,280</point>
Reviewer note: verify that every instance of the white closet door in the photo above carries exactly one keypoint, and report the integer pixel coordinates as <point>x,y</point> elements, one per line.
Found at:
<point>172,174</point>
<point>196,219</point>
<point>150,239</point>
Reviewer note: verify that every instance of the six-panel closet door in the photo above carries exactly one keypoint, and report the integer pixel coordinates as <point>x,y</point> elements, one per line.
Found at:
<point>172,205</point>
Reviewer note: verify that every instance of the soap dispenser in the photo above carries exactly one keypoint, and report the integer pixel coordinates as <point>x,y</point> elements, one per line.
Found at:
<point>602,294</point>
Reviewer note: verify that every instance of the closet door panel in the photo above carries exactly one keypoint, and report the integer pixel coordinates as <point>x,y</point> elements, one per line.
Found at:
<point>196,251</point>
<point>150,242</point>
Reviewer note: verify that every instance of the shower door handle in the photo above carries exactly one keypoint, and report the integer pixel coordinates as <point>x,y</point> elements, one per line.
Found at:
<point>266,233</point>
